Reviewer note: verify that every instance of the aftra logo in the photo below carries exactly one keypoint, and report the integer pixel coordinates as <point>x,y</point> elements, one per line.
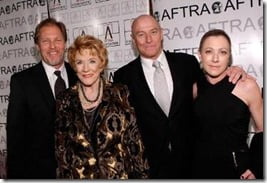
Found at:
<point>194,10</point>
<point>4,99</point>
<point>57,5</point>
<point>4,84</point>
<point>82,31</point>
<point>5,70</point>
<point>217,7</point>
<point>56,2</point>
<point>12,39</point>
<point>108,34</point>
<point>20,5</point>
<point>188,32</point>
<point>100,1</point>
<point>79,3</point>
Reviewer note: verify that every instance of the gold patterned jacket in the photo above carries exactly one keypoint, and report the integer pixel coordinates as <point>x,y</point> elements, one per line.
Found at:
<point>113,150</point>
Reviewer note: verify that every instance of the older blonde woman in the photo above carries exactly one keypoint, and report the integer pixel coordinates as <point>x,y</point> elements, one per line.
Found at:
<point>96,131</point>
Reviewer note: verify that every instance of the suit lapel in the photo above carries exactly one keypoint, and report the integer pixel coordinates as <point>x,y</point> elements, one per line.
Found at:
<point>142,83</point>
<point>140,78</point>
<point>176,98</point>
<point>72,78</point>
<point>41,81</point>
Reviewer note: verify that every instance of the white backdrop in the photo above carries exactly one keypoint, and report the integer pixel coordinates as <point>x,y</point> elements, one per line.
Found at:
<point>108,20</point>
<point>17,52</point>
<point>184,22</point>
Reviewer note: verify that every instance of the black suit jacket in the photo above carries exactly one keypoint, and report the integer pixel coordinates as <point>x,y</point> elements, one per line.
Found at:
<point>30,124</point>
<point>256,155</point>
<point>156,128</point>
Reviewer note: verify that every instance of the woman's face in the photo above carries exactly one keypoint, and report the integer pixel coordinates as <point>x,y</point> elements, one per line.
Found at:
<point>88,67</point>
<point>215,55</point>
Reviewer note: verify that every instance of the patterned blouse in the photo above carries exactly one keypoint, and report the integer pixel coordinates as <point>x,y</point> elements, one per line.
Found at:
<point>110,149</point>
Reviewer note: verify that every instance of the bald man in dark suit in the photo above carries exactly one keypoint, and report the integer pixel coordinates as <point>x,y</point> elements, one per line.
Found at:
<point>168,136</point>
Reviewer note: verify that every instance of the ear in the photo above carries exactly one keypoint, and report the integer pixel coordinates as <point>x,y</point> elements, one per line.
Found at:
<point>199,56</point>
<point>37,47</point>
<point>133,40</point>
<point>200,60</point>
<point>161,32</point>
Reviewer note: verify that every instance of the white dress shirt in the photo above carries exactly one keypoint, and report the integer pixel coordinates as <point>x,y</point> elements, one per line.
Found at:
<point>149,72</point>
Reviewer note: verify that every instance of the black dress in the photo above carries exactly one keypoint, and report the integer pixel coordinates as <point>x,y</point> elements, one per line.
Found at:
<point>222,119</point>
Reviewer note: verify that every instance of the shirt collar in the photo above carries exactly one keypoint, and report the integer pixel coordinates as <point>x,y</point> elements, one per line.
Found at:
<point>148,62</point>
<point>50,69</point>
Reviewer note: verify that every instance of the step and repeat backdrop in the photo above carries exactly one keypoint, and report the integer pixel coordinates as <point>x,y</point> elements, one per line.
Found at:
<point>109,20</point>
<point>183,22</point>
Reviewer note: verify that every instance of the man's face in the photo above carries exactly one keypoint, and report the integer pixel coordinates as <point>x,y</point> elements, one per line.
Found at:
<point>147,37</point>
<point>51,45</point>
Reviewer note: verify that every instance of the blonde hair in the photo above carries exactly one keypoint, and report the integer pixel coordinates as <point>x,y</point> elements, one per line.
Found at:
<point>96,47</point>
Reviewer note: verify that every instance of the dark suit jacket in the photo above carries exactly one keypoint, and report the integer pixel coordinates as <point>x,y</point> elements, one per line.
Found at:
<point>158,130</point>
<point>256,155</point>
<point>30,124</point>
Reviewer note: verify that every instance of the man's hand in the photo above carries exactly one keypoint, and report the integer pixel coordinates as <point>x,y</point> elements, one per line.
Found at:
<point>247,175</point>
<point>234,73</point>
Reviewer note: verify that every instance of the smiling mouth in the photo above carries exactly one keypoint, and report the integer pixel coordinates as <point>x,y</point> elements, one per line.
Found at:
<point>87,75</point>
<point>53,54</point>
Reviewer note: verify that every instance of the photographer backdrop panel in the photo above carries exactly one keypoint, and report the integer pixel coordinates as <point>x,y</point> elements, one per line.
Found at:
<point>185,22</point>
<point>18,19</point>
<point>108,20</point>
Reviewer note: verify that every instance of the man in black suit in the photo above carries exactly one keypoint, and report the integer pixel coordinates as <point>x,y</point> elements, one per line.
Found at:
<point>31,108</point>
<point>167,136</point>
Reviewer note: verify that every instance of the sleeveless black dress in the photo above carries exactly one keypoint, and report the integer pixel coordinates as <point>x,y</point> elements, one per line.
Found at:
<point>222,119</point>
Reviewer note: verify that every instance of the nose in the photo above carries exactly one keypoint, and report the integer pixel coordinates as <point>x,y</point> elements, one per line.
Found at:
<point>148,38</point>
<point>86,67</point>
<point>215,57</point>
<point>52,44</point>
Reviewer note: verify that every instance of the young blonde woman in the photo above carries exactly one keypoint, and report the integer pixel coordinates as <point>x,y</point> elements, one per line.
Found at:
<point>223,112</point>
